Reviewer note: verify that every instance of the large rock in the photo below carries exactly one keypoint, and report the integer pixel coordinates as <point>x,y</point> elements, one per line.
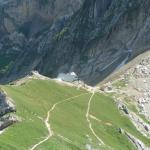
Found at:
<point>7,107</point>
<point>6,104</point>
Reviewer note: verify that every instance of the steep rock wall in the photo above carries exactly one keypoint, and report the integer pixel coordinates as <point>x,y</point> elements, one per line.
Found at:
<point>93,42</point>
<point>34,14</point>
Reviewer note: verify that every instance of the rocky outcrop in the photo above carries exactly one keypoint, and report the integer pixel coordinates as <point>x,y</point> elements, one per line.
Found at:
<point>137,143</point>
<point>6,108</point>
<point>7,121</point>
<point>138,122</point>
<point>140,81</point>
<point>6,105</point>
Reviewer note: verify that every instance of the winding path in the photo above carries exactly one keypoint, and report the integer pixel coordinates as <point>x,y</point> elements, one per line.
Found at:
<point>50,132</point>
<point>88,118</point>
<point>47,124</point>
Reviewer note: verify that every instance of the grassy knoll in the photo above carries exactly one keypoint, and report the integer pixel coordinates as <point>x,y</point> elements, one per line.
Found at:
<point>67,120</point>
<point>32,100</point>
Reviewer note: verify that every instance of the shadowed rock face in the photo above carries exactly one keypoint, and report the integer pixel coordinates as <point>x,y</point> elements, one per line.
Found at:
<point>6,110</point>
<point>20,20</point>
<point>25,15</point>
<point>101,6</point>
<point>92,42</point>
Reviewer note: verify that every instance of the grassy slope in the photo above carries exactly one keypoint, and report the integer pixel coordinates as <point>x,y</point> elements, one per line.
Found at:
<point>105,109</point>
<point>35,98</point>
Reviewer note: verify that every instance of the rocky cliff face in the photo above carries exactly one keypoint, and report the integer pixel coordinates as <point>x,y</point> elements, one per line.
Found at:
<point>23,19</point>
<point>98,38</point>
<point>31,16</point>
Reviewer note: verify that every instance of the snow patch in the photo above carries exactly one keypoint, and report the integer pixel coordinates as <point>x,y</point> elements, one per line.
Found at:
<point>68,77</point>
